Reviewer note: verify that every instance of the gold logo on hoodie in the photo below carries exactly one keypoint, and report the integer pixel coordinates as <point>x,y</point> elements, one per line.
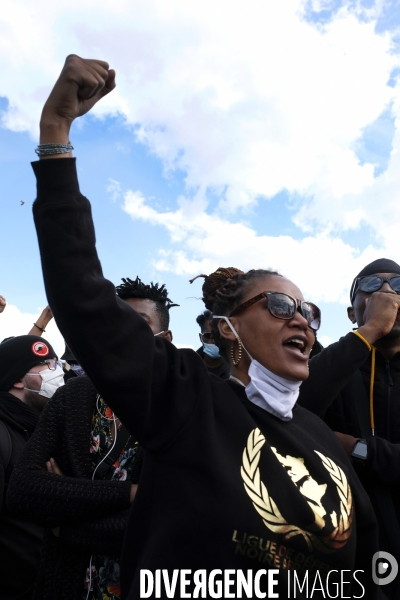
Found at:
<point>308,487</point>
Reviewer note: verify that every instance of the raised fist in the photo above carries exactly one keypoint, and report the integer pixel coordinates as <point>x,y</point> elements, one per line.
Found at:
<point>3,303</point>
<point>380,314</point>
<point>81,84</point>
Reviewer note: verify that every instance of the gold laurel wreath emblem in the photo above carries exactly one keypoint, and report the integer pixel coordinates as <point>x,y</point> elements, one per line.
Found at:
<point>271,515</point>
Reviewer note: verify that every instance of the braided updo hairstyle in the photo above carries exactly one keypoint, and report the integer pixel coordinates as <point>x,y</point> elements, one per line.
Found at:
<point>223,291</point>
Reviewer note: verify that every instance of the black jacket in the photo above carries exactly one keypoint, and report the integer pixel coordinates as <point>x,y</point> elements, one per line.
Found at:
<point>214,490</point>
<point>20,538</point>
<point>92,515</point>
<point>338,390</point>
<point>222,370</point>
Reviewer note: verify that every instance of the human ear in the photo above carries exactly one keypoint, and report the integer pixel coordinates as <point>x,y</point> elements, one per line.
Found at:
<point>350,314</point>
<point>168,335</point>
<point>19,385</point>
<point>225,331</point>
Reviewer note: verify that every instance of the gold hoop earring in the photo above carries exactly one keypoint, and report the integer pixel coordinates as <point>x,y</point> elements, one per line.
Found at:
<point>240,347</point>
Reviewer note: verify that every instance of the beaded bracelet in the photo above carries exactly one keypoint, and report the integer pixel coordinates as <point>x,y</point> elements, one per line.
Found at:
<point>48,149</point>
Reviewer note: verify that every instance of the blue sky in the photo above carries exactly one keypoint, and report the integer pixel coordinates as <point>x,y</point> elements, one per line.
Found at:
<point>280,153</point>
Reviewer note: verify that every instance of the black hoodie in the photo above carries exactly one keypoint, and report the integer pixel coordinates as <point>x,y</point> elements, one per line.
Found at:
<point>20,539</point>
<point>224,485</point>
<point>338,389</point>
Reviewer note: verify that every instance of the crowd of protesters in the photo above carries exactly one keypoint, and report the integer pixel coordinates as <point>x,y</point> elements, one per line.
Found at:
<point>262,450</point>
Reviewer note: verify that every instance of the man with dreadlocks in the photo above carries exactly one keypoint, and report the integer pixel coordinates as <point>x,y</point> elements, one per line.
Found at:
<point>236,477</point>
<point>79,475</point>
<point>150,301</point>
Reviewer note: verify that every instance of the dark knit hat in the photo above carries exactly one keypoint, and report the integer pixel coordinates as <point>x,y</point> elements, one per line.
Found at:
<point>381,265</point>
<point>18,355</point>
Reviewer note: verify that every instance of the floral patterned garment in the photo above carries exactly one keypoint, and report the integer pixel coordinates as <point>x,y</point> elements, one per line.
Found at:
<point>105,577</point>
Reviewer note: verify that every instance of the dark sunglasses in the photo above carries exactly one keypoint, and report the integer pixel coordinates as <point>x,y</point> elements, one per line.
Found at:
<point>284,307</point>
<point>373,283</point>
<point>206,337</point>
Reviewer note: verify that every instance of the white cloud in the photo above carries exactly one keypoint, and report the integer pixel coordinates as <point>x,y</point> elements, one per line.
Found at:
<point>378,206</point>
<point>322,265</point>
<point>247,98</point>
<point>114,189</point>
<point>325,340</point>
<point>15,322</point>
<point>253,98</point>
<point>184,346</point>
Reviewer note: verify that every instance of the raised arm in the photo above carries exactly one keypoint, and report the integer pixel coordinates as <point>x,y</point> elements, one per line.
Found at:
<point>330,372</point>
<point>150,384</point>
<point>81,84</point>
<point>332,369</point>
<point>39,327</point>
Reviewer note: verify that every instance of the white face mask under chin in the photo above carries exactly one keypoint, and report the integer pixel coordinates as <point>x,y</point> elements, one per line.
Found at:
<point>51,381</point>
<point>277,395</point>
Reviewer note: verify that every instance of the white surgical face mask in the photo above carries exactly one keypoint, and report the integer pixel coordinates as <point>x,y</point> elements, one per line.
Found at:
<point>277,395</point>
<point>51,381</point>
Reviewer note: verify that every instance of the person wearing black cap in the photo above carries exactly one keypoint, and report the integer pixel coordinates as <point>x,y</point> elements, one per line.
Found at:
<point>78,475</point>
<point>355,385</point>
<point>29,376</point>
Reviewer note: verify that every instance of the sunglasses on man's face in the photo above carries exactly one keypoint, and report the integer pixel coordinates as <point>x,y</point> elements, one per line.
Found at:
<point>206,337</point>
<point>372,283</point>
<point>284,307</point>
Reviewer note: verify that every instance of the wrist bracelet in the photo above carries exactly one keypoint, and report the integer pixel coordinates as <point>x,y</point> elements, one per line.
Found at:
<point>48,149</point>
<point>40,328</point>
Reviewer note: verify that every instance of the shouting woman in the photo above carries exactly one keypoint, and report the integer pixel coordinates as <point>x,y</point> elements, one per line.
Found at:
<point>242,493</point>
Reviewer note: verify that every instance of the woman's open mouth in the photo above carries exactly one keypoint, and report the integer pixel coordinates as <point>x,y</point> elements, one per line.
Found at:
<point>297,346</point>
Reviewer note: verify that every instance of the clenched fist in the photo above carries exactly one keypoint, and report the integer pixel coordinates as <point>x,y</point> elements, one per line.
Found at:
<point>81,84</point>
<point>3,303</point>
<point>381,313</point>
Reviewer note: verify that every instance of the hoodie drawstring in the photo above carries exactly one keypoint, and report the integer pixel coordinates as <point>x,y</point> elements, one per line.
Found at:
<point>372,349</point>
<point>371,390</point>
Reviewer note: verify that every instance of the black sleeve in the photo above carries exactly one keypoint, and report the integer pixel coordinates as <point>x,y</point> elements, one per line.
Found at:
<point>383,461</point>
<point>367,543</point>
<point>152,386</point>
<point>52,500</point>
<point>104,536</point>
<point>330,372</point>
<point>1,484</point>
